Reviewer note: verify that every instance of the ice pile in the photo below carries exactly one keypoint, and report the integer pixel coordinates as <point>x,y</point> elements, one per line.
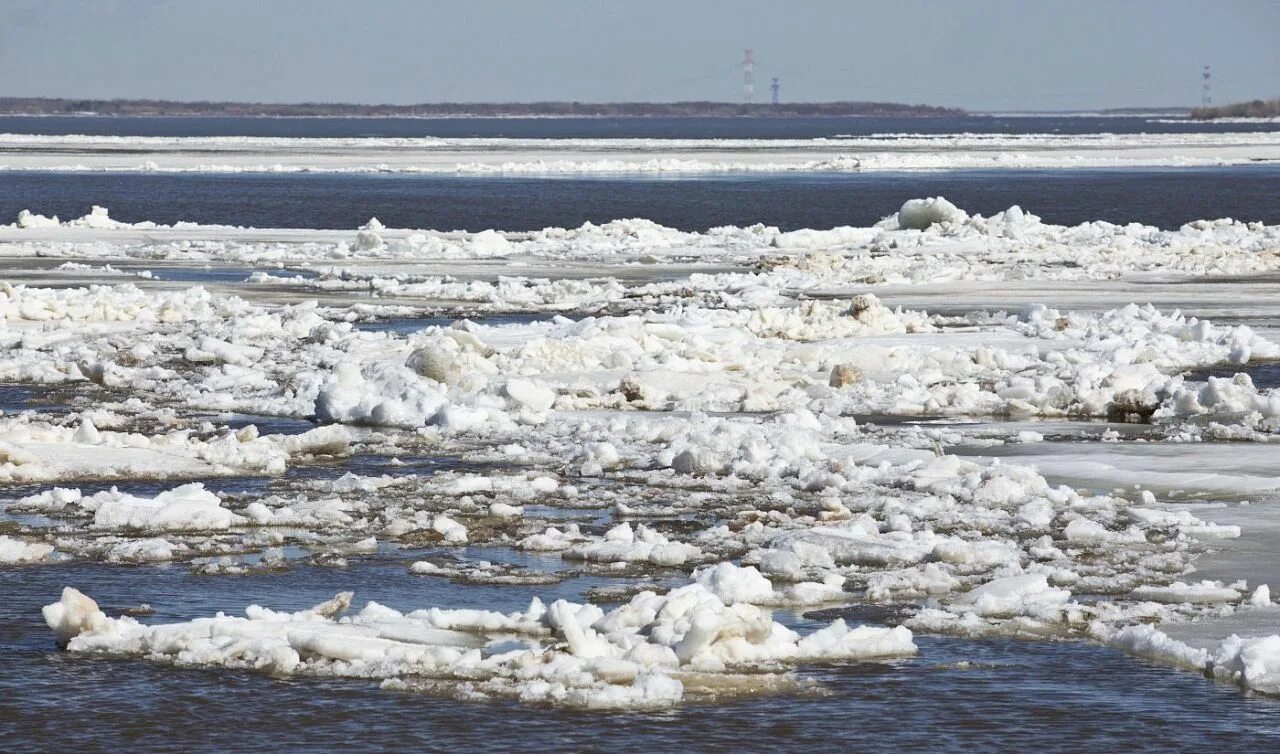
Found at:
<point>14,550</point>
<point>773,358</point>
<point>922,214</point>
<point>641,655</point>
<point>34,450</point>
<point>926,241</point>
<point>189,507</point>
<point>705,422</point>
<point>1250,662</point>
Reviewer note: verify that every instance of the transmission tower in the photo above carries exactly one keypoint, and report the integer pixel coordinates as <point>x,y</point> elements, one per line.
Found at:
<point>775,86</point>
<point>1206,95</point>
<point>748,77</point>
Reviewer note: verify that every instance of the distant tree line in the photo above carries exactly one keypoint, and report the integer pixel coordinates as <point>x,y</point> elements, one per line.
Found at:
<point>62,106</point>
<point>1256,109</point>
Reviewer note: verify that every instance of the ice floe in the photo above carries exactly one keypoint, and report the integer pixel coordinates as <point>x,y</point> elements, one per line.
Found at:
<point>634,656</point>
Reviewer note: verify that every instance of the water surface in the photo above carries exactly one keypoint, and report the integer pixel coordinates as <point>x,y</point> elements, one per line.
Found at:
<point>1163,197</point>
<point>1011,695</point>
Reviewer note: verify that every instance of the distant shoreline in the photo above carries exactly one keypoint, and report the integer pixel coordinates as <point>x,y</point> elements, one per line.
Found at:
<point>39,106</point>
<point>1256,110</point>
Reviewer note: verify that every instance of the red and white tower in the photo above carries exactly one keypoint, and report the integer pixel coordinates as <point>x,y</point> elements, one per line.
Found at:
<point>749,77</point>
<point>1206,96</point>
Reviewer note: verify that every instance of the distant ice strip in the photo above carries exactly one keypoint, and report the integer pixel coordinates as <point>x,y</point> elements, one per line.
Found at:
<point>429,155</point>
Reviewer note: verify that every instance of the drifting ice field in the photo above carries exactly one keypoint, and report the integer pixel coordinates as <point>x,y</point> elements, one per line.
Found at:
<point>542,157</point>
<point>627,468</point>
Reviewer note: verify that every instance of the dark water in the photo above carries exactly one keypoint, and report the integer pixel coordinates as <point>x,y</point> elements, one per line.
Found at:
<point>266,425</point>
<point>1017,696</point>
<point>406,325</point>
<point>203,274</point>
<point>17,398</point>
<point>1163,197</point>
<point>605,128</point>
<point>1265,374</point>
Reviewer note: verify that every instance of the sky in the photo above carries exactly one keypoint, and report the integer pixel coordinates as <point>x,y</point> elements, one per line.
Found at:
<point>976,54</point>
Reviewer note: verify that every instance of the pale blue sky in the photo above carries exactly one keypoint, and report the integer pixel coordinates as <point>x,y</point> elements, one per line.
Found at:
<point>981,54</point>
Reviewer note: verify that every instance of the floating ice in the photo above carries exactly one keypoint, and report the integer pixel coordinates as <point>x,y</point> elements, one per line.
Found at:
<point>578,655</point>
<point>920,214</point>
<point>890,151</point>
<point>18,551</point>
<point>712,422</point>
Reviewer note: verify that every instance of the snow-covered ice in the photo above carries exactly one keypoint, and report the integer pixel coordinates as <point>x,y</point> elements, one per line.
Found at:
<point>889,151</point>
<point>633,657</point>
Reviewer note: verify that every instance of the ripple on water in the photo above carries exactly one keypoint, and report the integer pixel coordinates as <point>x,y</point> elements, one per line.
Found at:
<point>18,398</point>
<point>957,695</point>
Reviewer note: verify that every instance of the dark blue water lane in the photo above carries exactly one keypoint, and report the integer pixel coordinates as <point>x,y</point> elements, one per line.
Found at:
<point>406,325</point>
<point>1166,198</point>
<point>608,128</point>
